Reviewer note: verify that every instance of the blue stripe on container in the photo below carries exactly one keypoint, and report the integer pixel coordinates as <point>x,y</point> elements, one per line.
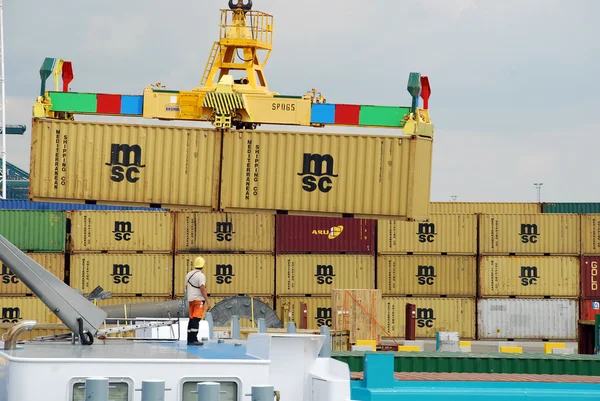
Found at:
<point>132,105</point>
<point>322,113</point>
<point>13,204</point>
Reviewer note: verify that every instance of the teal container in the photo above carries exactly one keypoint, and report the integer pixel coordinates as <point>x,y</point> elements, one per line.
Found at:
<point>34,230</point>
<point>73,102</point>
<point>382,116</point>
<point>576,208</point>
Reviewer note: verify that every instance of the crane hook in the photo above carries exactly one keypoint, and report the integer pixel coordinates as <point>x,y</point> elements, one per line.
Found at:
<point>240,5</point>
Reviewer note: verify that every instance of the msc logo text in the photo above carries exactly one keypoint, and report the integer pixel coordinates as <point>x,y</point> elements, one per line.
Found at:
<point>8,277</point>
<point>323,317</point>
<point>426,275</point>
<point>529,275</point>
<point>123,166</point>
<point>224,274</point>
<point>121,274</point>
<point>529,233</point>
<point>324,274</point>
<point>314,175</point>
<point>123,231</point>
<point>426,232</point>
<point>10,315</point>
<point>224,231</point>
<point>425,317</point>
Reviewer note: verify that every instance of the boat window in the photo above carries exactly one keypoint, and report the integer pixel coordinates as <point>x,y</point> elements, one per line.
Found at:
<point>117,391</point>
<point>229,390</point>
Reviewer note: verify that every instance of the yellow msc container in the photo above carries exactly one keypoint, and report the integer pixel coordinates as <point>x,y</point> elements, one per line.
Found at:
<point>432,315</point>
<point>121,231</point>
<point>75,161</point>
<point>485,207</point>
<point>334,174</point>
<point>529,276</point>
<point>214,232</point>
<point>125,300</point>
<point>319,274</point>
<point>306,312</point>
<point>229,274</point>
<point>529,234</point>
<point>15,309</point>
<point>427,275</point>
<point>443,234</point>
<point>590,234</point>
<point>10,285</point>
<point>123,274</point>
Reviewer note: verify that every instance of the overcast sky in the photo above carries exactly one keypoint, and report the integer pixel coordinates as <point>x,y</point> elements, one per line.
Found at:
<point>514,83</point>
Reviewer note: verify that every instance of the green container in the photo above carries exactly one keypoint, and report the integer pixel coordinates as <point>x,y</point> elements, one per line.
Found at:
<point>34,230</point>
<point>73,102</point>
<point>382,116</point>
<point>576,208</point>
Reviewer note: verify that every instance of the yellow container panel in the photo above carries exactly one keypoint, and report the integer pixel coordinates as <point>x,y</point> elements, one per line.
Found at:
<point>15,309</point>
<point>123,274</point>
<point>530,234</point>
<point>124,163</point>
<point>317,312</point>
<point>278,110</point>
<point>10,283</point>
<point>590,234</point>
<point>119,231</point>
<point>229,274</point>
<point>197,232</point>
<point>427,275</point>
<point>529,276</point>
<point>319,274</point>
<point>119,300</point>
<point>448,233</point>
<point>432,315</point>
<point>300,172</point>
<point>485,207</point>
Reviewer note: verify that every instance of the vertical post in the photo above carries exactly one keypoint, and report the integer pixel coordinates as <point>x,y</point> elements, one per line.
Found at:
<point>326,348</point>
<point>153,390</point>
<point>235,327</point>
<point>209,391</point>
<point>96,389</point>
<point>262,325</point>
<point>209,319</point>
<point>263,393</point>
<point>409,324</point>
<point>3,105</point>
<point>291,327</point>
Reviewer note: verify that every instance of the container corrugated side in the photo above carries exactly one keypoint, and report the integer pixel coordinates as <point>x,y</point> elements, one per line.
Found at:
<point>123,274</point>
<point>15,309</point>
<point>220,232</point>
<point>485,207</point>
<point>319,274</point>
<point>571,207</point>
<point>529,276</point>
<point>590,269</point>
<point>443,233</point>
<point>317,313</point>
<point>34,230</point>
<point>10,285</point>
<point>125,300</point>
<point>126,164</point>
<point>432,315</point>
<point>530,234</point>
<point>527,319</point>
<point>311,173</point>
<point>308,234</point>
<point>590,308</point>
<point>590,234</point>
<point>229,274</point>
<point>427,275</point>
<point>116,231</point>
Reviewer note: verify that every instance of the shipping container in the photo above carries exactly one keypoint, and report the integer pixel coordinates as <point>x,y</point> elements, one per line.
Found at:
<point>590,276</point>
<point>442,234</point>
<point>530,234</point>
<point>571,207</point>
<point>15,309</point>
<point>123,274</point>
<point>117,231</point>
<point>307,312</point>
<point>529,276</point>
<point>432,315</point>
<point>18,204</point>
<point>335,174</point>
<point>124,164</point>
<point>11,285</point>
<point>319,274</point>
<point>34,231</point>
<point>527,319</point>
<point>590,234</point>
<point>590,308</point>
<point>427,275</point>
<point>229,274</point>
<point>485,207</point>
<point>220,232</point>
<point>125,300</point>
<point>308,234</point>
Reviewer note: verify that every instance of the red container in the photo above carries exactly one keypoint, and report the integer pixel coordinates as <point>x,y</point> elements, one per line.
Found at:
<point>590,308</point>
<point>590,277</point>
<point>306,234</point>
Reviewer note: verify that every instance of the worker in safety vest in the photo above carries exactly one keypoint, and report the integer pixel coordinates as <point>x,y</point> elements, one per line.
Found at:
<point>197,299</point>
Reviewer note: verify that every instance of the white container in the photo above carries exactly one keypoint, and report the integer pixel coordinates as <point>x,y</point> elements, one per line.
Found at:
<point>527,319</point>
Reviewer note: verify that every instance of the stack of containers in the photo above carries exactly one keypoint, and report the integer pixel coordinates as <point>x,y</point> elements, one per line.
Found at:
<point>127,253</point>
<point>433,266</point>
<point>41,235</point>
<point>316,255</point>
<point>528,276</point>
<point>238,249</point>
<point>590,260</point>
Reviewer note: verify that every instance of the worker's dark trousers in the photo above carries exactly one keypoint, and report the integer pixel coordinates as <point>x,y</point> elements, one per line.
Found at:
<point>193,327</point>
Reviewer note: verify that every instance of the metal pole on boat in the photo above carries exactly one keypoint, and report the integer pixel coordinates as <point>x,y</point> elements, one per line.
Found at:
<point>211,329</point>
<point>153,390</point>
<point>326,348</point>
<point>263,393</point>
<point>96,389</point>
<point>291,327</point>
<point>262,325</point>
<point>209,391</point>
<point>235,327</point>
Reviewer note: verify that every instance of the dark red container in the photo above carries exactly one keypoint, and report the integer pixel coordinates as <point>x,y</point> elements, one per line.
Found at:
<point>305,234</point>
<point>590,308</point>
<point>590,277</point>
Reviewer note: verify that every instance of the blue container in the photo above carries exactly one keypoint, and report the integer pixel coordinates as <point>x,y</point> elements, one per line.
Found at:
<point>14,204</point>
